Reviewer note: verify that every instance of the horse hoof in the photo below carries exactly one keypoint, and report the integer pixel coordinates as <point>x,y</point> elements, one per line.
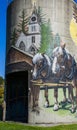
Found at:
<point>56,107</point>
<point>69,100</point>
<point>76,111</point>
<point>64,101</point>
<point>72,110</point>
<point>46,105</point>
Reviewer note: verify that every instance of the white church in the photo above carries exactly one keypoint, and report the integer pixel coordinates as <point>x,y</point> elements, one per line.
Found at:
<point>31,41</point>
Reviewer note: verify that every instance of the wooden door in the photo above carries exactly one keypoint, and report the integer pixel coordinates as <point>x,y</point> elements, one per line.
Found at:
<point>17,96</point>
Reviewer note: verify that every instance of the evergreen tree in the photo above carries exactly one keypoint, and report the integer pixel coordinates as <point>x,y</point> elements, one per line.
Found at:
<point>22,26</point>
<point>46,38</point>
<point>49,38</point>
<point>57,40</point>
<point>46,33</point>
<point>1,80</point>
<point>41,15</point>
<point>43,38</point>
<point>14,36</point>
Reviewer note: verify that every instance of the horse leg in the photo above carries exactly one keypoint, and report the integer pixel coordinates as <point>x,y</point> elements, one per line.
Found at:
<point>65,98</point>
<point>46,97</point>
<point>37,91</point>
<point>76,98</point>
<point>72,99</point>
<point>35,96</point>
<point>64,93</point>
<point>69,95</point>
<point>36,99</point>
<point>56,105</point>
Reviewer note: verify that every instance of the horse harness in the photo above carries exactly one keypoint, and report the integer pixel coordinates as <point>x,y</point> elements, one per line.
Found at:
<point>45,67</point>
<point>73,66</point>
<point>72,70</point>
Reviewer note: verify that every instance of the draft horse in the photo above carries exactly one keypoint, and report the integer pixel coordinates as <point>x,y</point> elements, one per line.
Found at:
<point>42,69</point>
<point>65,64</point>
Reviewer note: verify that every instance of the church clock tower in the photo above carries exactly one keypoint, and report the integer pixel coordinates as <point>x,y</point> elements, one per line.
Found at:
<point>34,29</point>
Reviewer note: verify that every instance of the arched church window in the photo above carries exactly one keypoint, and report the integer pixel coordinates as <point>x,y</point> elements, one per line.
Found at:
<point>33,39</point>
<point>22,46</point>
<point>33,28</point>
<point>32,50</point>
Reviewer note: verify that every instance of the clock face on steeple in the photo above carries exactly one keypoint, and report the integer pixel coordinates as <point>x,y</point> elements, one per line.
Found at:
<point>33,18</point>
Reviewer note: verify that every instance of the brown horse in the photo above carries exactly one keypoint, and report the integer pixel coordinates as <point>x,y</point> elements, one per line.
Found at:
<point>42,70</point>
<point>65,64</point>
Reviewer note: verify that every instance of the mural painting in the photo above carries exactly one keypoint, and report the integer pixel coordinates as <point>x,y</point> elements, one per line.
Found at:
<point>44,38</point>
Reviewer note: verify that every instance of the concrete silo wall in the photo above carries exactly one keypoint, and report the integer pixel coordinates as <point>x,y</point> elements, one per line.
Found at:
<point>37,26</point>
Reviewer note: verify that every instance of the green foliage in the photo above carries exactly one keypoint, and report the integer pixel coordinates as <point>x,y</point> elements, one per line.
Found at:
<point>14,36</point>
<point>1,81</point>
<point>41,15</point>
<point>1,89</point>
<point>43,38</point>
<point>46,37</point>
<point>23,22</point>
<point>48,41</point>
<point>17,126</point>
<point>57,40</point>
<point>1,92</point>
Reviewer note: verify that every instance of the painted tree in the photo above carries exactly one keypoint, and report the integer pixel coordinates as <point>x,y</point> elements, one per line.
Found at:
<point>43,38</point>
<point>56,40</point>
<point>46,32</point>
<point>46,38</point>
<point>23,22</point>
<point>14,36</point>
<point>41,15</point>
<point>49,38</point>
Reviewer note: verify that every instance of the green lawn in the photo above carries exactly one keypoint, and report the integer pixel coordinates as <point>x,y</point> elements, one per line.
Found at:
<point>64,109</point>
<point>18,126</point>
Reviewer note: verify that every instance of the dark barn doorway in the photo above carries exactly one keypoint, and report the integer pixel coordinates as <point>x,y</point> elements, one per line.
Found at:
<point>17,96</point>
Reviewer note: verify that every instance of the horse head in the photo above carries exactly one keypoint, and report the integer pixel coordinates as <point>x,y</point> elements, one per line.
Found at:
<point>41,66</point>
<point>63,63</point>
<point>58,60</point>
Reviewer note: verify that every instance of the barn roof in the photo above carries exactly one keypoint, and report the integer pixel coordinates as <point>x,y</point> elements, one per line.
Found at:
<point>18,60</point>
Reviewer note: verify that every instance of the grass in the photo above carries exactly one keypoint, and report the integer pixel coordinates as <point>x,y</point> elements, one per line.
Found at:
<point>18,126</point>
<point>64,108</point>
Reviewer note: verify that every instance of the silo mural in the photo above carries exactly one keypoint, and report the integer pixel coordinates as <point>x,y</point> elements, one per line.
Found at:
<point>41,71</point>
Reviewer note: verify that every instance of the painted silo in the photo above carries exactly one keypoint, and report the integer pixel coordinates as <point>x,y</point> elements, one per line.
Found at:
<point>36,92</point>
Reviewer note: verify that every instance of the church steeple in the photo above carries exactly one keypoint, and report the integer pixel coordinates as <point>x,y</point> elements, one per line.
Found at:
<point>34,3</point>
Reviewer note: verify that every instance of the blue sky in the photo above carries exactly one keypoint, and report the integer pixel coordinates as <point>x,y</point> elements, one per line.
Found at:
<point>3,8</point>
<point>3,4</point>
<point>75,1</point>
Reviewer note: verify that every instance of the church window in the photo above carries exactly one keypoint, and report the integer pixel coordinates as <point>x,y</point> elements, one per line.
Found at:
<point>33,28</point>
<point>32,49</point>
<point>22,46</point>
<point>33,18</point>
<point>33,39</point>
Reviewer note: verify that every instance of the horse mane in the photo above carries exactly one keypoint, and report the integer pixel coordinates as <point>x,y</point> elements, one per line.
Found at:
<point>40,56</point>
<point>37,57</point>
<point>48,59</point>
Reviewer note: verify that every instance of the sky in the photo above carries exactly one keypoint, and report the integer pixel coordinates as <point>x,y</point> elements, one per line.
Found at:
<point>3,10</point>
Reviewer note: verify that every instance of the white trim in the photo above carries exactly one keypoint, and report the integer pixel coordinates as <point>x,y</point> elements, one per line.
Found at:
<point>22,51</point>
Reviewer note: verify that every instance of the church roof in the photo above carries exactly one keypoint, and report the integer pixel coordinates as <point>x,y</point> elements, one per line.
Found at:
<point>35,12</point>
